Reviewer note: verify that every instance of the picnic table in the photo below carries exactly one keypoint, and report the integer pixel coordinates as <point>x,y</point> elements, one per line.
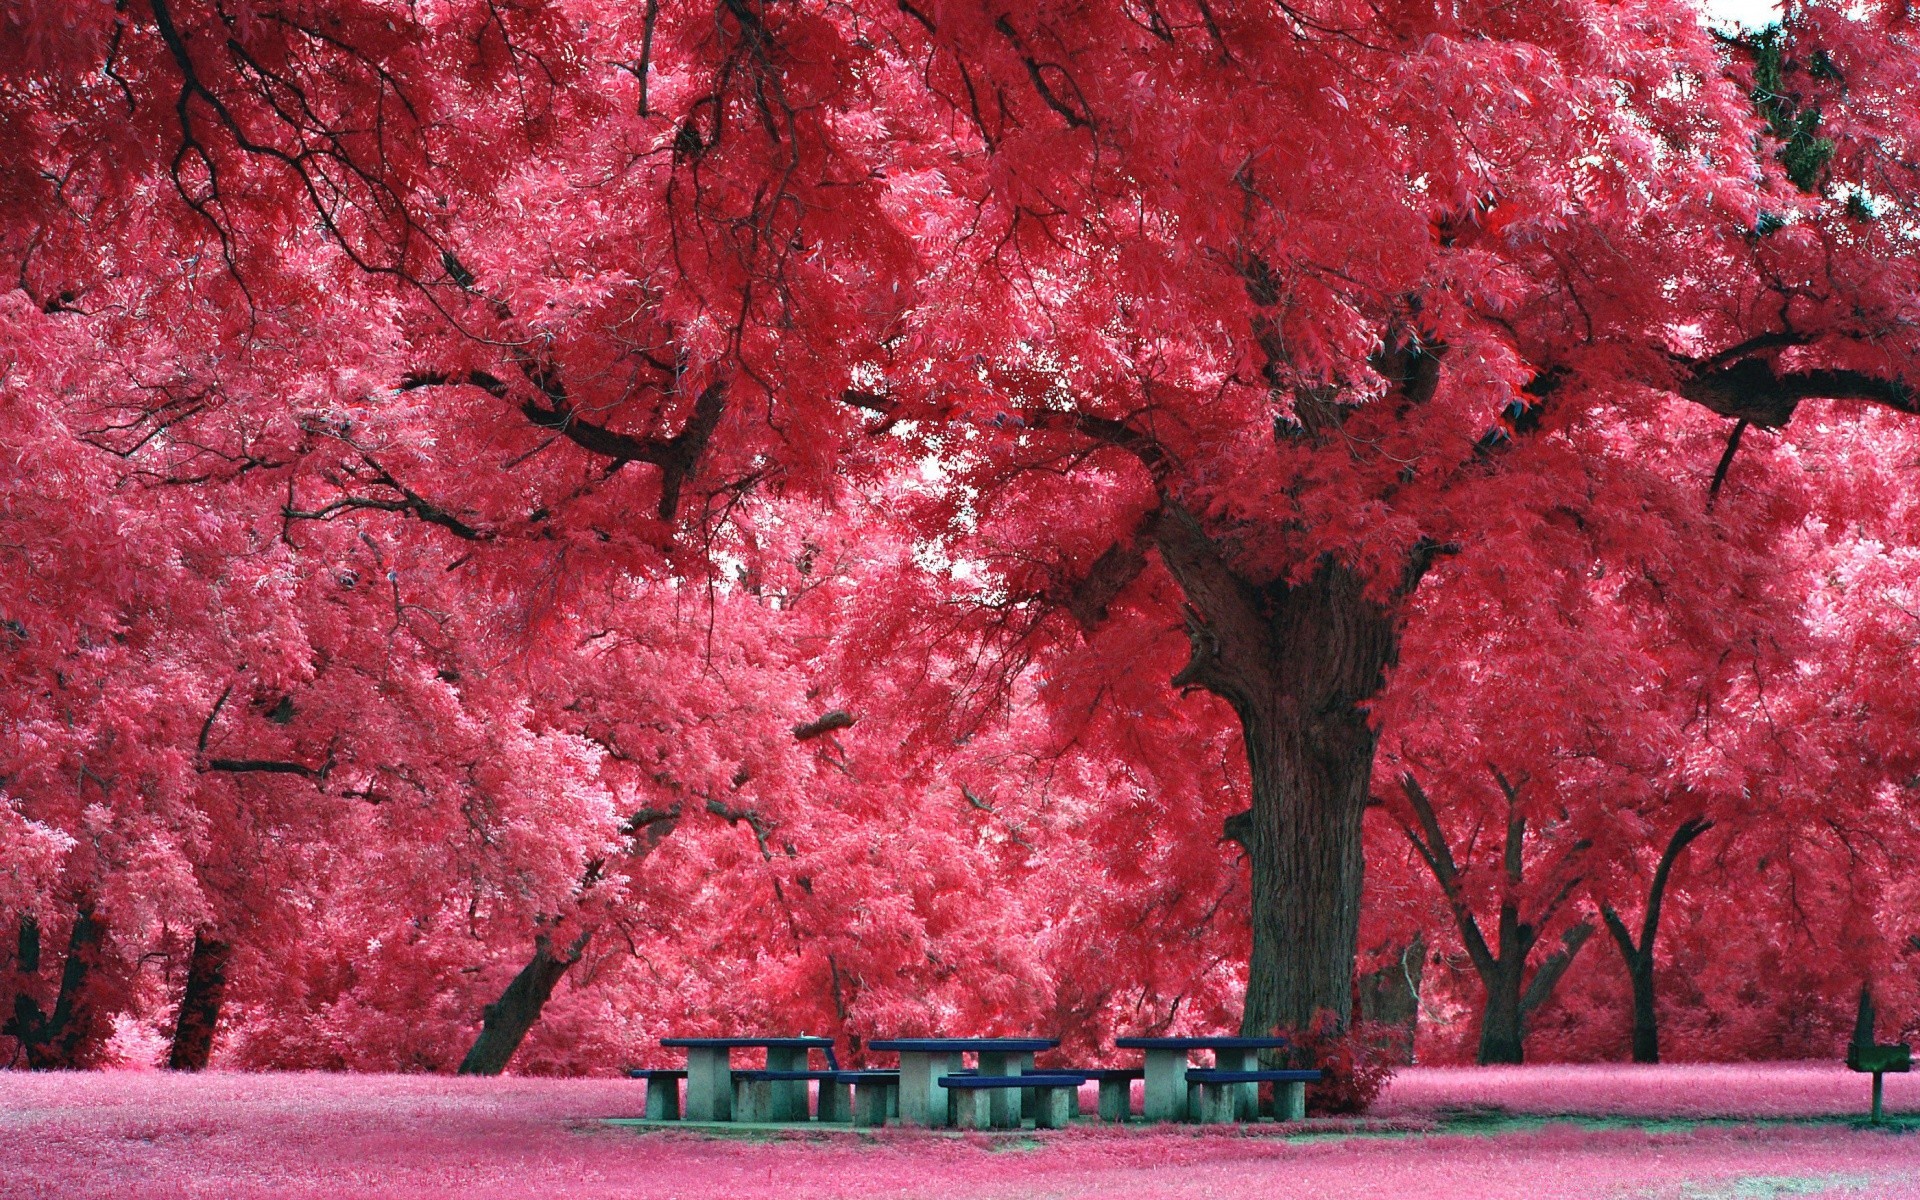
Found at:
<point>923,1061</point>
<point>710,1074</point>
<point>1166,1084</point>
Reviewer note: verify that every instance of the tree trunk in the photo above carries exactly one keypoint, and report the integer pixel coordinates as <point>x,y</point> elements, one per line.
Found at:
<point>1502,967</point>
<point>1863,1017</point>
<point>1502,1039</point>
<point>1646,1023</point>
<point>505,1022</point>
<point>1389,1000</point>
<point>1307,869</point>
<point>1296,663</point>
<point>65,1038</point>
<point>1639,958</point>
<point>200,1003</point>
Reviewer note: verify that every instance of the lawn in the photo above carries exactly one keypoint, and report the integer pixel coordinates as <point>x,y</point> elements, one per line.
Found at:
<point>1679,1132</point>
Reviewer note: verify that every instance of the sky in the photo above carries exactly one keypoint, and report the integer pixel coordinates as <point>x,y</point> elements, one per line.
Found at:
<point>1746,12</point>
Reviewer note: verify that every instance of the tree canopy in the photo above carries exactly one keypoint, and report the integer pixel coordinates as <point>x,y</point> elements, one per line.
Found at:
<point>883,516</point>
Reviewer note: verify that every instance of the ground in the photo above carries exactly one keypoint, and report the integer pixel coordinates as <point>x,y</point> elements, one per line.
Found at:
<point>1645,1133</point>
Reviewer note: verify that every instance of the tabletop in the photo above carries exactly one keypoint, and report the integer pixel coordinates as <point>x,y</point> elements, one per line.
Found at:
<point>770,1043</point>
<point>1202,1043</point>
<point>988,1045</point>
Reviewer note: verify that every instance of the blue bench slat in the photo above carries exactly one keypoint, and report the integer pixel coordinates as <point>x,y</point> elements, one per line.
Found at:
<point>1110,1074</point>
<point>1201,1043</point>
<point>649,1073</point>
<point>831,1076</point>
<point>1036,1079</point>
<point>1205,1075</point>
<point>724,1043</point>
<point>966,1045</point>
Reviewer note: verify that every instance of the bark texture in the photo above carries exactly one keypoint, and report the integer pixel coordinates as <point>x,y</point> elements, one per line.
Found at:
<point>1296,663</point>
<point>1639,958</point>
<point>200,1003</point>
<point>505,1022</point>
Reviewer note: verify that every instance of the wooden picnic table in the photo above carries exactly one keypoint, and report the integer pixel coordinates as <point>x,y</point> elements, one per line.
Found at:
<point>710,1073</point>
<point>924,1060</point>
<point>1168,1058</point>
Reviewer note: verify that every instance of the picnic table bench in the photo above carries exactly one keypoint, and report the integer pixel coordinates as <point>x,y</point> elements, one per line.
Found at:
<point>1053,1098</point>
<point>711,1079</point>
<point>1116,1089</point>
<point>1221,1094</point>
<point>1171,1095</point>
<point>926,1063</point>
<point>864,1098</point>
<point>663,1092</point>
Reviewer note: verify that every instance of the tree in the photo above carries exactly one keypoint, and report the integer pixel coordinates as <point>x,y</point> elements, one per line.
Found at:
<point>1639,953</point>
<point>1290,406</point>
<point>588,285</point>
<point>1502,966</point>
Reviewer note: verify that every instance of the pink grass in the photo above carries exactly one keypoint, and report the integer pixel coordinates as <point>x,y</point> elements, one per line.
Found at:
<point>135,1135</point>
<point>1770,1090</point>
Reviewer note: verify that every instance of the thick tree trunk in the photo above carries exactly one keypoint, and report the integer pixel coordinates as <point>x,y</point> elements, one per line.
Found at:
<point>1308,796</point>
<point>65,1038</point>
<point>1297,663</point>
<point>200,1004</point>
<point>505,1022</point>
<point>1502,1038</point>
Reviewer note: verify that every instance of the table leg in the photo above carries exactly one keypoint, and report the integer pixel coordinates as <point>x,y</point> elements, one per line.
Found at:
<point>836,1101</point>
<point>709,1084</point>
<point>789,1095</point>
<point>1028,1101</point>
<point>1166,1086</point>
<point>1290,1101</point>
<point>923,1101</point>
<point>1004,1105</point>
<point>1246,1103</point>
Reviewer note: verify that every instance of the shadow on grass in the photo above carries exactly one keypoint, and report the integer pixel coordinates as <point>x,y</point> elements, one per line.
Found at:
<point>1466,1121</point>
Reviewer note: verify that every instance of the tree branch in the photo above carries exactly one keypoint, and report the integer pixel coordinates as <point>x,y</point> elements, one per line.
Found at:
<point>1545,979</point>
<point>1439,860</point>
<point>826,723</point>
<point>1726,461</point>
<point>1753,390</point>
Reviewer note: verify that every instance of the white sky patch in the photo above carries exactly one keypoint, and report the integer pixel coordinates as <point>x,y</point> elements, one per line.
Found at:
<point>1751,13</point>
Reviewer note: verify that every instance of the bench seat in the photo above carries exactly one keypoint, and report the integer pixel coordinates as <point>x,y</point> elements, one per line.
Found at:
<point>862,1098</point>
<point>1210,1075</point>
<point>1116,1089</point>
<point>1054,1096</point>
<point>663,1092</point>
<point>1218,1092</point>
